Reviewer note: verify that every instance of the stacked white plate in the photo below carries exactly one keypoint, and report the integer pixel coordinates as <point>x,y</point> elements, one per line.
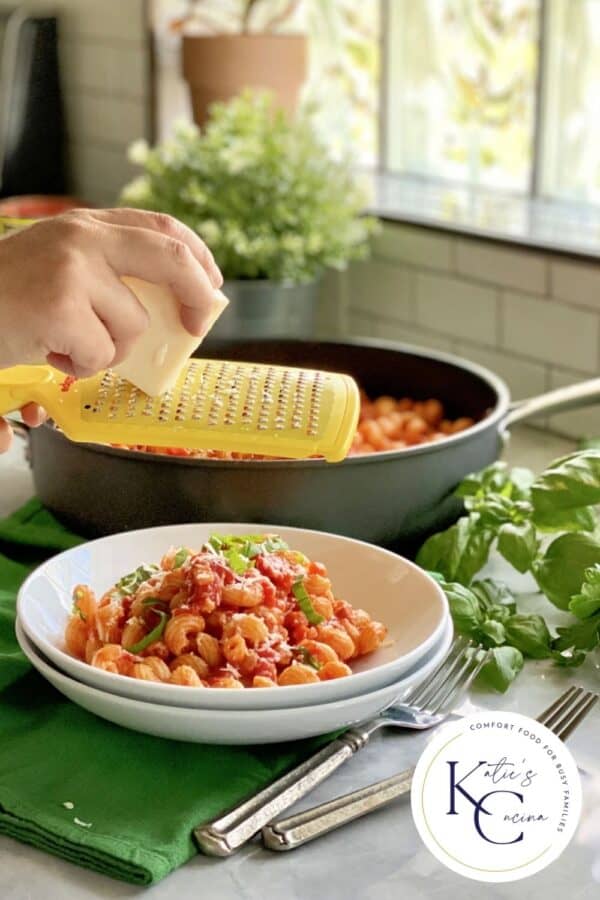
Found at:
<point>392,589</point>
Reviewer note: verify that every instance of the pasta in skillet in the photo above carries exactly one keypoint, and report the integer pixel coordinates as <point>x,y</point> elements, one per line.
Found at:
<point>243,612</point>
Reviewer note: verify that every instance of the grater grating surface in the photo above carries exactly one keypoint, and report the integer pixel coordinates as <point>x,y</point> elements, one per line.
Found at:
<point>221,405</point>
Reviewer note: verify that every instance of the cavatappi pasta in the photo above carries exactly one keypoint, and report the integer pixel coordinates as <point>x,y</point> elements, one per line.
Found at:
<point>384,424</point>
<point>242,612</point>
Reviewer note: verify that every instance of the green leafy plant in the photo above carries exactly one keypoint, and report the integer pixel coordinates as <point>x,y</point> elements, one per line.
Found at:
<point>260,189</point>
<point>547,526</point>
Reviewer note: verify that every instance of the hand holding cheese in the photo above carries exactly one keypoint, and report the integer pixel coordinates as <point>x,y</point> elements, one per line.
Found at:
<point>64,299</point>
<point>61,295</point>
<point>158,356</point>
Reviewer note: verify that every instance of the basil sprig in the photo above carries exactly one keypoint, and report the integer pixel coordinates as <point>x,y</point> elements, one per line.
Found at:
<point>153,635</point>
<point>305,603</point>
<point>547,526</point>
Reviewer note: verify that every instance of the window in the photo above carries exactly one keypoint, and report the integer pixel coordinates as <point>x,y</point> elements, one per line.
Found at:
<point>498,94</point>
<point>461,90</point>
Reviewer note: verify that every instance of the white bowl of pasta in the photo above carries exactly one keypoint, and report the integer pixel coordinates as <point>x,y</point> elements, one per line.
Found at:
<point>224,616</point>
<point>228,726</point>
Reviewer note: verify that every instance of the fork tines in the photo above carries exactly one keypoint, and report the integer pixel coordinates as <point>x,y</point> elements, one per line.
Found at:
<point>452,677</point>
<point>564,715</point>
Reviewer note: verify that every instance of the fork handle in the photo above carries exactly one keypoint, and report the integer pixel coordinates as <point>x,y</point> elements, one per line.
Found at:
<point>287,834</point>
<point>225,835</point>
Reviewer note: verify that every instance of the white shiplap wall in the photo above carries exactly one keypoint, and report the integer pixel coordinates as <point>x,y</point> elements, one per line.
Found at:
<point>533,317</point>
<point>105,66</point>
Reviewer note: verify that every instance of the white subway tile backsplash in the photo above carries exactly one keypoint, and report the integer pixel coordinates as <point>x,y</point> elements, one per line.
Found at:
<point>551,332</point>
<point>456,307</point>
<point>523,377</point>
<point>410,334</point>
<point>503,266</point>
<point>100,172</point>
<point>575,282</point>
<point>359,324</point>
<point>417,246</point>
<point>115,19</point>
<point>116,69</point>
<point>382,289</point>
<point>105,119</point>
<point>578,423</point>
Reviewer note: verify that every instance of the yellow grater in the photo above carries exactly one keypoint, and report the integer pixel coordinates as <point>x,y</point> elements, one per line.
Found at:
<point>219,405</point>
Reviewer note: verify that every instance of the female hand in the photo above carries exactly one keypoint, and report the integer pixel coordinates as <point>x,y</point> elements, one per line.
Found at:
<point>62,300</point>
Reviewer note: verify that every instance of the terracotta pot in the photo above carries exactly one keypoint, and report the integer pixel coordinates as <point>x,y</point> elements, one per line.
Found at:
<point>220,67</point>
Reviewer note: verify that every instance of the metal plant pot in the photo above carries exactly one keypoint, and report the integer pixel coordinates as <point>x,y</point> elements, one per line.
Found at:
<point>266,309</point>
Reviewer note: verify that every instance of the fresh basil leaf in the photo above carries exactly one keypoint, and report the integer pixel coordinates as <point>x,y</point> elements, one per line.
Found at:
<point>587,603</point>
<point>518,544</point>
<point>494,593</point>
<point>152,636</point>
<point>493,510</point>
<point>494,631</point>
<point>488,480</point>
<point>529,634</point>
<point>582,518</point>
<point>502,668</point>
<point>560,572</point>
<point>459,552</point>
<point>305,603</point>
<point>501,613</point>
<point>568,483</point>
<point>437,576</point>
<point>583,635</point>
<point>522,480</point>
<point>465,608</point>
<point>569,659</point>
<point>180,557</point>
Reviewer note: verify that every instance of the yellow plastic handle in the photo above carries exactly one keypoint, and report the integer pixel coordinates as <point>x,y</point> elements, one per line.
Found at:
<point>20,385</point>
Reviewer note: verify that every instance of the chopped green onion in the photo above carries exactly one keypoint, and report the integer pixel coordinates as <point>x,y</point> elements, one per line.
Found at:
<point>308,659</point>
<point>152,636</point>
<point>77,611</point>
<point>237,561</point>
<point>180,557</point>
<point>305,603</point>
<point>129,584</point>
<point>149,601</point>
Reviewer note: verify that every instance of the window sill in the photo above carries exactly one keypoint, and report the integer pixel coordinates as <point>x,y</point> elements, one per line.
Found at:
<point>564,228</point>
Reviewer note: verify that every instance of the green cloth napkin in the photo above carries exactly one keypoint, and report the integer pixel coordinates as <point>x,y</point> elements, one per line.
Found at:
<point>119,802</point>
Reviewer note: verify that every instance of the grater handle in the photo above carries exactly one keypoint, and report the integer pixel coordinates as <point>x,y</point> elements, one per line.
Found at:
<point>22,384</point>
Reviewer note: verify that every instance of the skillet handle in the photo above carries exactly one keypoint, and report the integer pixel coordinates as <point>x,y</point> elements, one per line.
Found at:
<point>572,397</point>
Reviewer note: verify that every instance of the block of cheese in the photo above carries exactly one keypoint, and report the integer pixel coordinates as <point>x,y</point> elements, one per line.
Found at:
<point>160,353</point>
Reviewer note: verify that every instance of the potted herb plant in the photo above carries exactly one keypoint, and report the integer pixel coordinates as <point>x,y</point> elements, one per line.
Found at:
<point>227,46</point>
<point>275,209</point>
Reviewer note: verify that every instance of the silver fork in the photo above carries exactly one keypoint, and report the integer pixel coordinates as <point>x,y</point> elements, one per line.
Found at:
<point>562,717</point>
<point>426,705</point>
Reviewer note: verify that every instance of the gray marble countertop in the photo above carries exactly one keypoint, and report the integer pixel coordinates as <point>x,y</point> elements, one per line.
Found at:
<point>379,857</point>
